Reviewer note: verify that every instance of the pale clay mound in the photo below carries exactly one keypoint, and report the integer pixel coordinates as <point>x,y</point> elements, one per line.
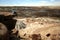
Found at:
<point>3,29</point>
<point>41,26</point>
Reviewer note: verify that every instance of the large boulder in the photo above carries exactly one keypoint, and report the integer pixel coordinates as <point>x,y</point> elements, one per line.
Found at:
<point>3,29</point>
<point>3,32</point>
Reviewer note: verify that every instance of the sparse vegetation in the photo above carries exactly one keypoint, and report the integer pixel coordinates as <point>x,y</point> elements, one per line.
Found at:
<point>39,23</point>
<point>33,11</point>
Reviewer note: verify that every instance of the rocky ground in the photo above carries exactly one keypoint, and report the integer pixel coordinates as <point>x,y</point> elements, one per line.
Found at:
<point>41,25</point>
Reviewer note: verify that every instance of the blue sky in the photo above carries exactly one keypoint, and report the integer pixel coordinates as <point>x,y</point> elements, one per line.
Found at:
<point>29,2</point>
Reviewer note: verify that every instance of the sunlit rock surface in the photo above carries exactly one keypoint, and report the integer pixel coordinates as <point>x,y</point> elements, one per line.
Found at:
<point>42,26</point>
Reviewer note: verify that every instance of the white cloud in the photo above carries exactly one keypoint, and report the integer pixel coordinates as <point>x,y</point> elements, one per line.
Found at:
<point>52,0</point>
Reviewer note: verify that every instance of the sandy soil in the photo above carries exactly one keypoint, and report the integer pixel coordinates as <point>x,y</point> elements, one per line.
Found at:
<point>42,25</point>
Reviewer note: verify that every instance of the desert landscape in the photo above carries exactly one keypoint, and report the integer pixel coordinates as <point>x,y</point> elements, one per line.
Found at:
<point>29,23</point>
